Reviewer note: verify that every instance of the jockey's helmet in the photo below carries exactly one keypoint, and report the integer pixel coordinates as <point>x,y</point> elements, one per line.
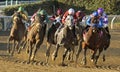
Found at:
<point>78,13</point>
<point>95,14</point>
<point>100,10</point>
<point>42,12</point>
<point>59,12</point>
<point>71,11</point>
<point>20,9</point>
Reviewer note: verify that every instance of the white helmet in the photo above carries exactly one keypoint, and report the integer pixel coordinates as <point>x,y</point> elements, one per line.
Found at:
<point>71,11</point>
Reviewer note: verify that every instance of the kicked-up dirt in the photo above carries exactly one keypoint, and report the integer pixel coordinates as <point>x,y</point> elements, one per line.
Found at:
<point>18,62</point>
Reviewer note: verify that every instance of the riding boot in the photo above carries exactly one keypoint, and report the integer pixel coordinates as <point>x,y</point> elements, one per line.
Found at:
<point>108,34</point>
<point>75,37</point>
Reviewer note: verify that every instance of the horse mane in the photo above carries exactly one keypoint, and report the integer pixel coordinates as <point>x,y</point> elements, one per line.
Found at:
<point>38,19</point>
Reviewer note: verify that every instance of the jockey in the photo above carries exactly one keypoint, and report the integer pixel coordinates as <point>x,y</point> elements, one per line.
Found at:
<point>23,13</point>
<point>80,15</point>
<point>59,13</point>
<point>58,16</point>
<point>41,12</point>
<point>33,16</point>
<point>89,22</point>
<point>71,11</point>
<point>103,15</point>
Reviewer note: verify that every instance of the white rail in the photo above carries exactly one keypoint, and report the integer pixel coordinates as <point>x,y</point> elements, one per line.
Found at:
<point>7,20</point>
<point>6,3</point>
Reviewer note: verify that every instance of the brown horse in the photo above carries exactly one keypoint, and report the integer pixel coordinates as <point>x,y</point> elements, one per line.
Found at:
<point>17,32</point>
<point>50,38</point>
<point>36,36</point>
<point>65,38</point>
<point>94,39</point>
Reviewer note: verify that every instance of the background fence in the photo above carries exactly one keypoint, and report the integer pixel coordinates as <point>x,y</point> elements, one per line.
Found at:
<point>6,22</point>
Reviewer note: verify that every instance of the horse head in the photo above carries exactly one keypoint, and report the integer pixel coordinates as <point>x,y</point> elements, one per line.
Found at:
<point>95,20</point>
<point>17,18</point>
<point>39,19</point>
<point>69,21</point>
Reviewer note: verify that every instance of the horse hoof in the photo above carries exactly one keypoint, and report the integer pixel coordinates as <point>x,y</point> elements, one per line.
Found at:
<point>28,62</point>
<point>8,51</point>
<point>103,60</point>
<point>27,51</point>
<point>63,64</point>
<point>22,47</point>
<point>18,52</point>
<point>92,60</point>
<point>83,63</point>
<point>53,58</point>
<point>11,54</point>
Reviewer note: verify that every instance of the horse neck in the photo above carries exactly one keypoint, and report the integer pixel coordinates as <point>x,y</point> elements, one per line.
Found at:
<point>67,32</point>
<point>92,34</point>
<point>18,24</point>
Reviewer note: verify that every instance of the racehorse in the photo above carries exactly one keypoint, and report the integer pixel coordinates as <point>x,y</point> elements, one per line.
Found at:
<point>65,38</point>
<point>36,36</point>
<point>50,38</point>
<point>17,32</point>
<point>95,39</point>
<point>79,28</point>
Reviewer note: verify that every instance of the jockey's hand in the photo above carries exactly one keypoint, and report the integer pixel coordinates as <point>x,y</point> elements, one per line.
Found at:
<point>75,21</point>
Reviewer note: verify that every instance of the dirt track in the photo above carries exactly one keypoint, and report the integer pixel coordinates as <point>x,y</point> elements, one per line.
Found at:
<point>18,63</point>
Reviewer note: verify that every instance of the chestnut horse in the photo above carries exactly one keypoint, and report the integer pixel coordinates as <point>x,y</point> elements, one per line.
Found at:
<point>94,39</point>
<point>36,36</point>
<point>17,32</point>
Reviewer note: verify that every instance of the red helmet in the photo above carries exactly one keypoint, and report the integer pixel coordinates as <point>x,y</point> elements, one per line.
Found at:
<point>78,13</point>
<point>59,12</point>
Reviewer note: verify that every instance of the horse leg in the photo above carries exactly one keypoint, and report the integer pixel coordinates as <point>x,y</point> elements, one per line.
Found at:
<point>70,54</point>
<point>84,55</point>
<point>105,48</point>
<point>19,48</point>
<point>104,51</point>
<point>28,46</point>
<point>8,45</point>
<point>35,48</point>
<point>13,48</point>
<point>30,50</point>
<point>48,51</point>
<point>96,58</point>
<point>24,44</point>
<point>64,55</point>
<point>54,55</point>
<point>79,50</point>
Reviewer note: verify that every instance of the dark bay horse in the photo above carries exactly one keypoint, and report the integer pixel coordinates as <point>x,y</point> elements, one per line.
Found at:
<point>96,40</point>
<point>17,32</point>
<point>36,36</point>
<point>79,28</point>
<point>50,38</point>
<point>65,38</point>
